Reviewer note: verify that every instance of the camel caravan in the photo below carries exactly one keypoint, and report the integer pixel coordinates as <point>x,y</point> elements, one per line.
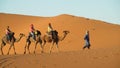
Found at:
<point>34,36</point>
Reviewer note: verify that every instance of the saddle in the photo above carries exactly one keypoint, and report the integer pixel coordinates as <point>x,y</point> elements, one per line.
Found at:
<point>34,34</point>
<point>10,36</point>
<point>52,34</point>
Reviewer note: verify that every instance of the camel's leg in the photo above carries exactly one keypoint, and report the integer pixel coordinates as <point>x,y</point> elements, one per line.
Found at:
<point>44,43</point>
<point>51,47</point>
<point>9,49</point>
<point>57,46</point>
<point>41,47</point>
<point>28,47</point>
<point>40,42</point>
<point>35,47</point>
<point>14,49</point>
<point>2,48</point>
<point>2,45</point>
<point>25,49</point>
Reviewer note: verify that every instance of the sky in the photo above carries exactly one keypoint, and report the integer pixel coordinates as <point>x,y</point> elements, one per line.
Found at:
<point>105,10</point>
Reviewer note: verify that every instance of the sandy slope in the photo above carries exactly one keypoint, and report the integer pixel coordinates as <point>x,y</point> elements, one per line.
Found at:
<point>94,58</point>
<point>104,38</point>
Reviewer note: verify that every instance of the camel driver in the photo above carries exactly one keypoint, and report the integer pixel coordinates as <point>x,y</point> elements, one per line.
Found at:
<point>87,40</point>
<point>32,31</point>
<point>8,33</point>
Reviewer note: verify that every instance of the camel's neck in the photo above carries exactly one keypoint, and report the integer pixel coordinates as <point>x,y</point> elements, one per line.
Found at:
<point>64,35</point>
<point>17,40</point>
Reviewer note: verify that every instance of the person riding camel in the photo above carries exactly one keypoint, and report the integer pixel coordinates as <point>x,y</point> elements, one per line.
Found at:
<point>8,33</point>
<point>50,29</point>
<point>32,31</point>
<point>51,33</point>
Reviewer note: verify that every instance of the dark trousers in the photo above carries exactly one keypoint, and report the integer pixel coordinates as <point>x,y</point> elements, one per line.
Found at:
<point>33,35</point>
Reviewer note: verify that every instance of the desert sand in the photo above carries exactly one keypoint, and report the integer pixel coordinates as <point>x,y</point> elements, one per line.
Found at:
<point>104,39</point>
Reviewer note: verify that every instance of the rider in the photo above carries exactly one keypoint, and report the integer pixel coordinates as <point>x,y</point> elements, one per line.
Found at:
<point>8,31</point>
<point>50,29</point>
<point>51,33</point>
<point>32,31</point>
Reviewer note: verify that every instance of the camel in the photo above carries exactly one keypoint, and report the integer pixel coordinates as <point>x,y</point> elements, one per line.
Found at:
<point>30,39</point>
<point>54,40</point>
<point>11,43</point>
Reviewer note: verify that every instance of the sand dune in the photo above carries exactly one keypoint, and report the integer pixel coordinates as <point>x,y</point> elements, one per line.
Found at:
<point>104,38</point>
<point>94,58</point>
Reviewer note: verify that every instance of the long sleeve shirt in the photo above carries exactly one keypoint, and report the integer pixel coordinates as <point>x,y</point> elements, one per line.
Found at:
<point>8,31</point>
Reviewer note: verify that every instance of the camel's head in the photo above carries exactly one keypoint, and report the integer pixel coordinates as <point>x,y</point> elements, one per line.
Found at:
<point>22,35</point>
<point>66,31</point>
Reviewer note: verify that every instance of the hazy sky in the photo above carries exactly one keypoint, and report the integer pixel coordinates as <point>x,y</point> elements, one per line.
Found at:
<point>106,10</point>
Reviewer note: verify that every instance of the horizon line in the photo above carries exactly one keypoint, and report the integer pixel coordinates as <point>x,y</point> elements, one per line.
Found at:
<point>57,15</point>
